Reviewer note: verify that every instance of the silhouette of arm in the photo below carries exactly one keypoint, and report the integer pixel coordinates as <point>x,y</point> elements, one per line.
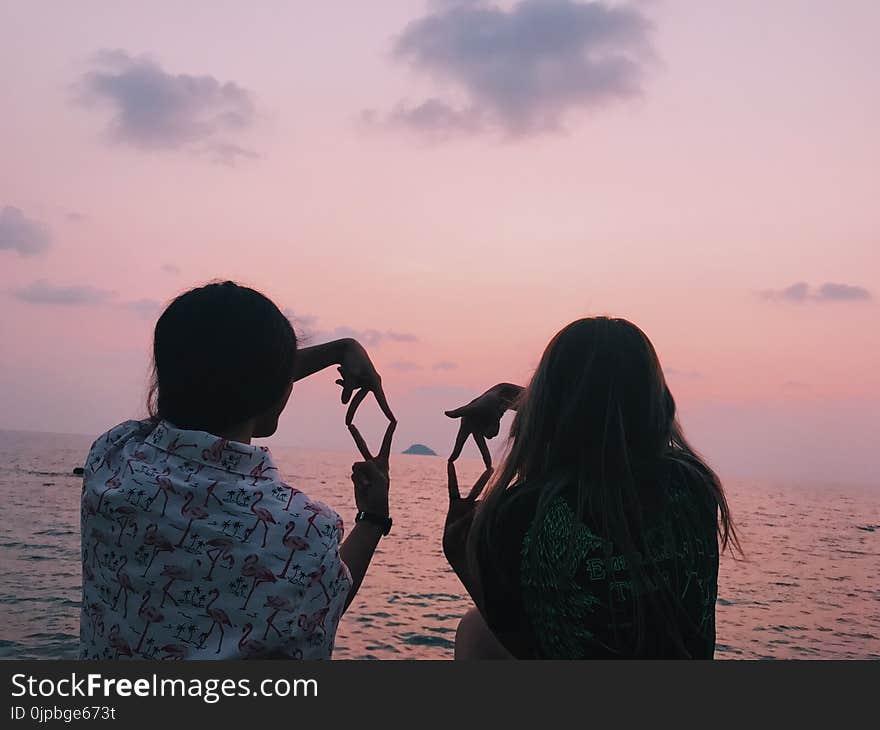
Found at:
<point>357,375</point>
<point>310,360</point>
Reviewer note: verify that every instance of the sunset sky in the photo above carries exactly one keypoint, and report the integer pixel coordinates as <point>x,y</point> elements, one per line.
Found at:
<point>452,182</point>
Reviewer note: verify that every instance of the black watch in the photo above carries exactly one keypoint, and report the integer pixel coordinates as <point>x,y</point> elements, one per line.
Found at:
<point>383,522</point>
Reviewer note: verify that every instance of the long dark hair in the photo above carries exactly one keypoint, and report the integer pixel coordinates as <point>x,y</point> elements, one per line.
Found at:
<point>597,424</point>
<point>222,353</point>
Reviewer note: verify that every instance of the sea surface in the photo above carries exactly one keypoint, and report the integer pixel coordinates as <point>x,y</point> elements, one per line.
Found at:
<point>808,588</point>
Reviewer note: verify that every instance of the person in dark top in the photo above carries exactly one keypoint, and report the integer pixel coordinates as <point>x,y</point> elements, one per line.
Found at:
<point>600,534</point>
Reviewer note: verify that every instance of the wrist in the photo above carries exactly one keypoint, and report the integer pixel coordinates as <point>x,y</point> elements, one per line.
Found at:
<point>508,392</point>
<point>379,523</point>
<point>341,347</point>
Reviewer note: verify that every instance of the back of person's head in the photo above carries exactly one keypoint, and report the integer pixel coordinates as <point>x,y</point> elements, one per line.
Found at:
<point>598,396</point>
<point>223,354</point>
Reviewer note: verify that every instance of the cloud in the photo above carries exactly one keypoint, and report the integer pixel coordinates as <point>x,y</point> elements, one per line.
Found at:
<point>170,268</point>
<point>157,110</point>
<point>367,337</point>
<point>143,307</point>
<point>801,291</point>
<point>831,292</point>
<point>21,234</point>
<point>444,365</point>
<point>227,153</point>
<point>75,217</point>
<point>306,326</point>
<point>522,69</point>
<point>404,365</point>
<point>305,321</point>
<point>434,117</point>
<point>42,292</point>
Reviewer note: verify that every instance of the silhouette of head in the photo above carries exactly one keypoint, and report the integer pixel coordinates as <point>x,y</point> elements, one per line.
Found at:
<point>223,355</point>
<point>598,395</point>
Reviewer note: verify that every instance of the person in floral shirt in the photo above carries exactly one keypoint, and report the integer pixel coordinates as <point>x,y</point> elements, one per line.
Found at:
<point>193,545</point>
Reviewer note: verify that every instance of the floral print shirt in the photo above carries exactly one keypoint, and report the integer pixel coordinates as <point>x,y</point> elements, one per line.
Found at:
<point>193,548</point>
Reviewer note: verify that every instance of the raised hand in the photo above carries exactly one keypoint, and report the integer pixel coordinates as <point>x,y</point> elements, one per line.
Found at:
<point>481,418</point>
<point>459,518</point>
<point>370,477</point>
<point>358,378</point>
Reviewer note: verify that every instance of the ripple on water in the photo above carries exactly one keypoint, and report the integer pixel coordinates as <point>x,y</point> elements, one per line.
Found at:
<point>426,640</point>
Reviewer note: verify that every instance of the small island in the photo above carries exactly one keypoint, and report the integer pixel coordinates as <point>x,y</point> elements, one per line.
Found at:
<point>420,450</point>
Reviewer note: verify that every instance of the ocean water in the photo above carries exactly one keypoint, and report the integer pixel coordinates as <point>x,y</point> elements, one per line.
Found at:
<point>808,588</point>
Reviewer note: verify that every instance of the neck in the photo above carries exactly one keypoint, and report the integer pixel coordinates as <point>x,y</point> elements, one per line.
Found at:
<point>242,433</point>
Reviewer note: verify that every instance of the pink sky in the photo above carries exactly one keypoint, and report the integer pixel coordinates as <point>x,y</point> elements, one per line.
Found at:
<point>747,162</point>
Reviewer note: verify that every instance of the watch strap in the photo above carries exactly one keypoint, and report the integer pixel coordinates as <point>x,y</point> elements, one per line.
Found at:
<point>378,520</point>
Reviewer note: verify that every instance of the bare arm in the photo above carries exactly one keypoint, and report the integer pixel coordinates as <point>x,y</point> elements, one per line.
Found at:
<point>357,552</point>
<point>310,360</point>
<point>357,376</point>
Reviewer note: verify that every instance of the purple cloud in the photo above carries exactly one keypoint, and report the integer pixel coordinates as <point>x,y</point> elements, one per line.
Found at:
<point>522,69</point>
<point>21,234</point>
<point>367,337</point>
<point>304,321</point>
<point>801,291</point>
<point>154,109</point>
<point>831,292</point>
<point>306,326</point>
<point>143,307</point>
<point>42,292</point>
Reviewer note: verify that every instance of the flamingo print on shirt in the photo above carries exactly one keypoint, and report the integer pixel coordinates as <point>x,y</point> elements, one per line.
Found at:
<point>169,519</point>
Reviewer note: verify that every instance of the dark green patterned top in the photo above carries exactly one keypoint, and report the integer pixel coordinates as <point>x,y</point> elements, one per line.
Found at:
<point>563,592</point>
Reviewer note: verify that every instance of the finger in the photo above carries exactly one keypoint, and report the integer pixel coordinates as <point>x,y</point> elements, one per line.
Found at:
<point>477,489</point>
<point>383,403</point>
<point>463,433</point>
<point>357,469</point>
<point>452,479</point>
<point>359,441</point>
<point>353,406</point>
<point>484,449</point>
<point>347,386</point>
<point>455,412</point>
<point>385,451</point>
